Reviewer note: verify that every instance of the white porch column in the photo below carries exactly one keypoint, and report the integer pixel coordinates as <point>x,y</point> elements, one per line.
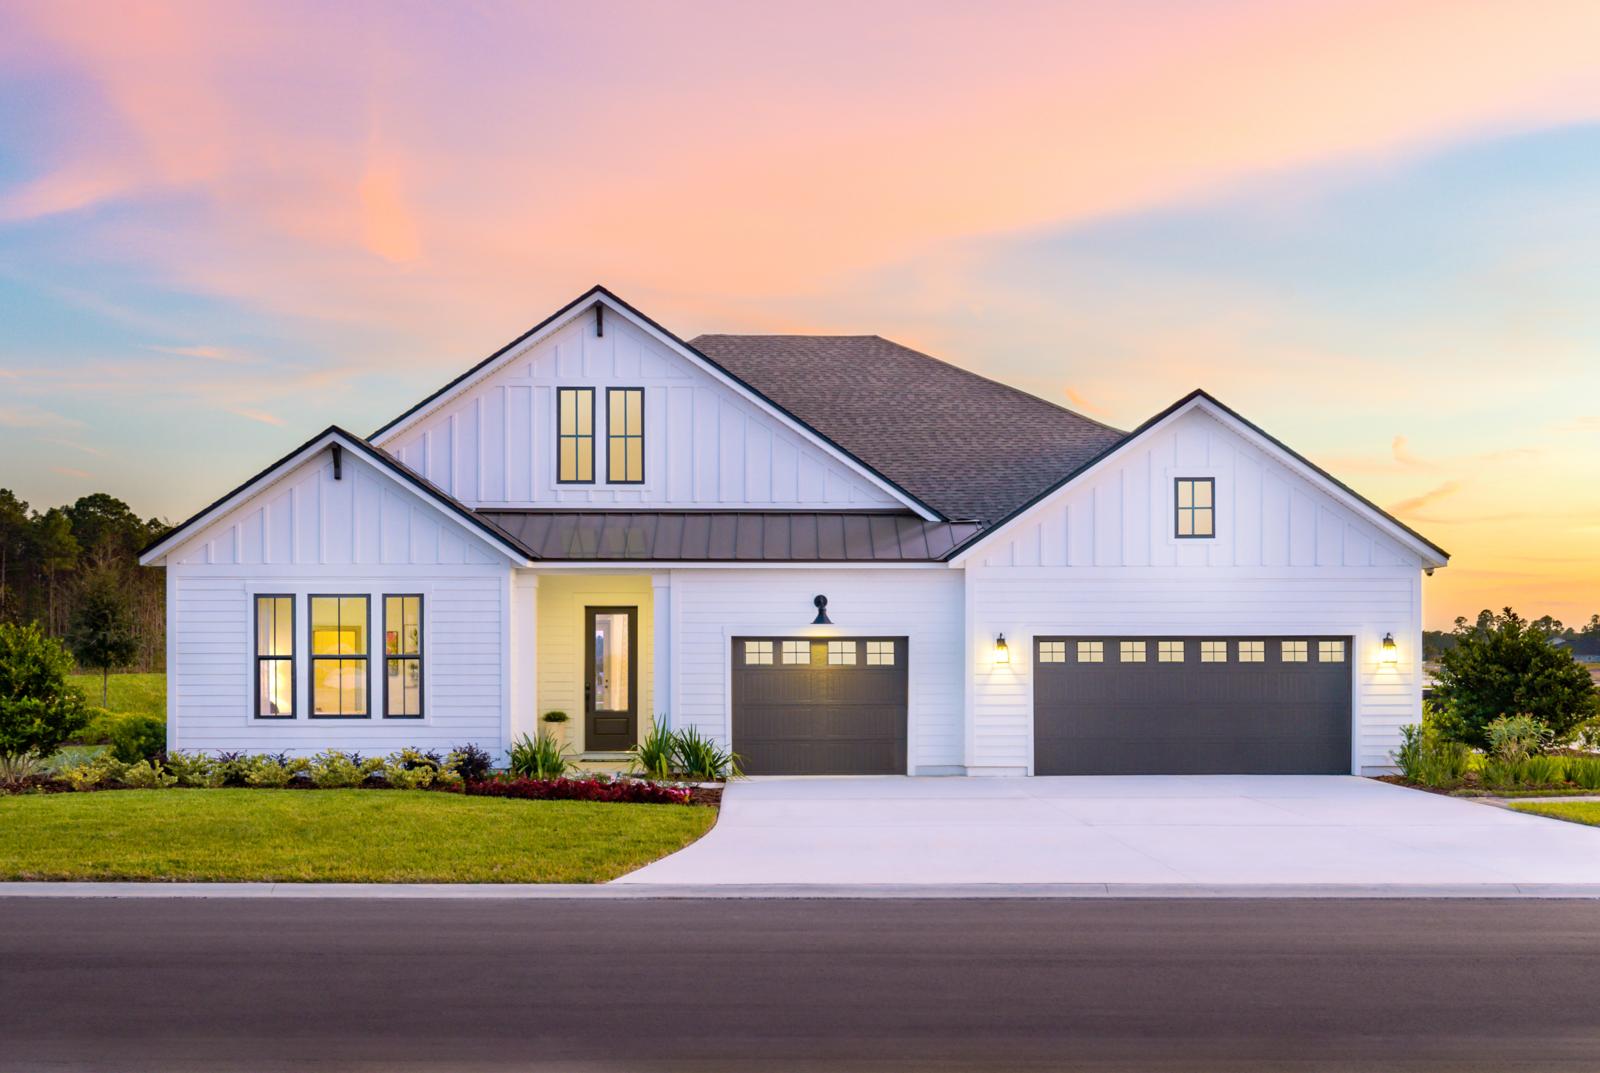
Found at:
<point>524,713</point>
<point>661,611</point>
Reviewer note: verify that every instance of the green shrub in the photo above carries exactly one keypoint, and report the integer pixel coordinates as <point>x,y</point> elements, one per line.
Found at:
<point>702,759</point>
<point>334,770</point>
<point>539,758</point>
<point>266,772</point>
<point>103,770</point>
<point>148,775</point>
<point>1544,770</point>
<point>555,717</point>
<point>1514,738</point>
<point>38,709</point>
<point>656,754</point>
<point>409,778</point>
<point>17,768</point>
<point>1584,771</point>
<point>195,770</point>
<point>131,736</point>
<point>1504,665</point>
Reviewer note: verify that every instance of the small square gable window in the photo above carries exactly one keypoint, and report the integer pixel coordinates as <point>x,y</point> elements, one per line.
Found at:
<point>1196,507</point>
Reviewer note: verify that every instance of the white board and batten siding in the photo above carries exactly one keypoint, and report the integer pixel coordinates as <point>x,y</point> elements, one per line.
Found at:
<point>1288,558</point>
<point>712,607</point>
<point>706,446</point>
<point>364,534</point>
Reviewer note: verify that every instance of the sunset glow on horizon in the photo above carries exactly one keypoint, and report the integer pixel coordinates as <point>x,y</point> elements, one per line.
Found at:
<point>1370,227</point>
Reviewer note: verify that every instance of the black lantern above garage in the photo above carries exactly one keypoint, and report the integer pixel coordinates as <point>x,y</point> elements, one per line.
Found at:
<point>822,619</point>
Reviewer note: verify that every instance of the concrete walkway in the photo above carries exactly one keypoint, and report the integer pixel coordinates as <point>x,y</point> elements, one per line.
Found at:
<point>1264,833</point>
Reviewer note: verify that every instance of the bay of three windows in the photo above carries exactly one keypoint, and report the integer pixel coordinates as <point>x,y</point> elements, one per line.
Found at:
<point>337,650</point>
<point>576,462</point>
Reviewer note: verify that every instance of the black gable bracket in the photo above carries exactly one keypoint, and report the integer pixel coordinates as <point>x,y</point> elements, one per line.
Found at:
<point>338,461</point>
<point>599,319</point>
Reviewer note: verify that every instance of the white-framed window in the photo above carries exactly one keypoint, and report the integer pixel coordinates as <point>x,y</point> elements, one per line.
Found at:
<point>1294,652</point>
<point>880,653</point>
<point>1330,651</point>
<point>758,653</point>
<point>1133,652</point>
<point>1052,651</point>
<point>1252,651</point>
<point>841,653</point>
<point>1213,651</point>
<point>1091,652</point>
<point>1169,651</point>
<point>797,652</point>
<point>1195,502</point>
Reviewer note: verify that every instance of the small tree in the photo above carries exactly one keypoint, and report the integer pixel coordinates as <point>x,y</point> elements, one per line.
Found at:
<point>101,631</point>
<point>38,709</point>
<point>1505,665</point>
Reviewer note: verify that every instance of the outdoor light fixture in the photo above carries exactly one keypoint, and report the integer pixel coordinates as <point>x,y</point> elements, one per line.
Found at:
<point>822,619</point>
<point>1002,654</point>
<point>1391,652</point>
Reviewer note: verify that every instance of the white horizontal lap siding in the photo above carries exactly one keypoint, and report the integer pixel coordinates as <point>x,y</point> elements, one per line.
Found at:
<point>1288,558</point>
<point>925,606</point>
<point>361,534</point>
<point>705,445</point>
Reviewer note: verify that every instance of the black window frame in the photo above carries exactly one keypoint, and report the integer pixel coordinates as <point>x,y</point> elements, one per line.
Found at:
<point>422,644</point>
<point>1178,510</point>
<point>575,436</point>
<point>624,436</point>
<point>255,607</point>
<point>312,658</point>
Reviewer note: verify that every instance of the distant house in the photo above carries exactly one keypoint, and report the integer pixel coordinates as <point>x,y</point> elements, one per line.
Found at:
<point>832,553</point>
<point>1585,647</point>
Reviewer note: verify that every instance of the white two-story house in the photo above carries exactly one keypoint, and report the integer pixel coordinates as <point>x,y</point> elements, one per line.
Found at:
<point>833,553</point>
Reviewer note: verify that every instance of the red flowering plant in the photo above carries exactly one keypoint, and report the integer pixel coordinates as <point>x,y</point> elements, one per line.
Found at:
<point>625,791</point>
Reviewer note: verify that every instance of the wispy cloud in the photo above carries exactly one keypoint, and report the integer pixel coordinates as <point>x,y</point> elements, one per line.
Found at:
<point>14,416</point>
<point>207,353</point>
<point>1410,506</point>
<point>256,415</point>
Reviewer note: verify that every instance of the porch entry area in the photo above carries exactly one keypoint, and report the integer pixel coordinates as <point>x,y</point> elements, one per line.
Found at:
<point>595,655</point>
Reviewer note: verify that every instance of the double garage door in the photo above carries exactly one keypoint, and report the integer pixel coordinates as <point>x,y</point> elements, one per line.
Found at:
<point>1191,705</point>
<point>834,706</point>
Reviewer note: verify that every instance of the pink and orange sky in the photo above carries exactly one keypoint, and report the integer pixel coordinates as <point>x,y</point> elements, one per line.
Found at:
<point>1371,227</point>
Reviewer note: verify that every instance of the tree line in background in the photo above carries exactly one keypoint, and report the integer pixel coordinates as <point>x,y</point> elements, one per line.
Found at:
<point>74,570</point>
<point>1435,643</point>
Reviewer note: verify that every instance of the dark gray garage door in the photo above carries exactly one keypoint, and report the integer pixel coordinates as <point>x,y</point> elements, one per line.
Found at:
<point>1191,705</point>
<point>820,707</point>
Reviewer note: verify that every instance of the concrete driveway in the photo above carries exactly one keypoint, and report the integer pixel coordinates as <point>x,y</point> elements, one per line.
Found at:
<point>1217,830</point>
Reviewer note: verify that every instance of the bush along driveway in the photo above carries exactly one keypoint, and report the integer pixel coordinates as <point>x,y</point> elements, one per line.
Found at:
<point>352,836</point>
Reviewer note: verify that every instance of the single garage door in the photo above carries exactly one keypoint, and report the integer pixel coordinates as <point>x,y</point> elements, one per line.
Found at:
<point>1191,705</point>
<point>820,707</point>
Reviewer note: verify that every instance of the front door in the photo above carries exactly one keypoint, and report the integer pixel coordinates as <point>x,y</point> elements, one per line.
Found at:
<point>611,678</point>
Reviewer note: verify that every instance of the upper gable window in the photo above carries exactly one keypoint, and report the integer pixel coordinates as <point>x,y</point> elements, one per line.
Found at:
<point>575,435</point>
<point>625,435</point>
<point>1196,507</point>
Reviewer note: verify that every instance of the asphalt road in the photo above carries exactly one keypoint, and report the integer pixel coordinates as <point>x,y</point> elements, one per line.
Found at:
<point>798,985</point>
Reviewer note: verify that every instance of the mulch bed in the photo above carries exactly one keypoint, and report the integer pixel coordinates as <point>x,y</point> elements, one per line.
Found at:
<point>1472,787</point>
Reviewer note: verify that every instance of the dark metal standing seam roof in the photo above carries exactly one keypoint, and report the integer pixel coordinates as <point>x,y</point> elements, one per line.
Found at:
<point>971,448</point>
<point>730,536</point>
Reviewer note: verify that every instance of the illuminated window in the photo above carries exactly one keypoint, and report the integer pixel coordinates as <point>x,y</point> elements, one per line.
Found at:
<point>880,653</point>
<point>1213,651</point>
<point>758,653</point>
<point>797,651</point>
<point>575,435</point>
<point>842,653</point>
<point>1196,509</point>
<point>1294,651</point>
<point>402,657</point>
<point>1252,651</point>
<point>1091,652</point>
<point>1052,651</point>
<point>625,435</point>
<point>1169,651</point>
<point>1133,651</point>
<point>275,657</point>
<point>1330,651</point>
<point>339,626</point>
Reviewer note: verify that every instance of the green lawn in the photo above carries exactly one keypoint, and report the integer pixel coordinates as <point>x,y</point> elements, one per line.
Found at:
<point>353,836</point>
<point>145,694</point>
<point>1577,811</point>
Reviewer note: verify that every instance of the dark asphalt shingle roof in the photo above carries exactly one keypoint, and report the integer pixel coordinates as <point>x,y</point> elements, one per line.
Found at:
<point>971,448</point>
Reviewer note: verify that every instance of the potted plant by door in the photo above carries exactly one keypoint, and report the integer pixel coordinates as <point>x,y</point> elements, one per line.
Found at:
<point>555,726</point>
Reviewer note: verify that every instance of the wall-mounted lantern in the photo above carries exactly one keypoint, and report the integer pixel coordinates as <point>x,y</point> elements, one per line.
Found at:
<point>1390,653</point>
<point>1002,654</point>
<point>822,619</point>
